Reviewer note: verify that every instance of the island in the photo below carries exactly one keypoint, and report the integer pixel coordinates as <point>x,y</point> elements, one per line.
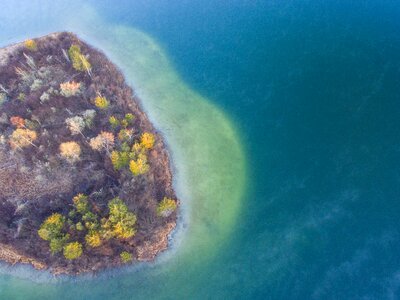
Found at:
<point>85,179</point>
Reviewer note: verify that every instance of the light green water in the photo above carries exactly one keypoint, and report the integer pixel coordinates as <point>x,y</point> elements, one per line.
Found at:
<point>206,152</point>
<point>207,157</point>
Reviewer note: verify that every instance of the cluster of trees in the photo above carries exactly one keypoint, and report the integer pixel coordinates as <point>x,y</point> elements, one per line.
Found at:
<point>86,226</point>
<point>52,230</point>
<point>124,122</point>
<point>24,135</point>
<point>120,223</point>
<point>124,153</point>
<point>82,221</point>
<point>133,154</point>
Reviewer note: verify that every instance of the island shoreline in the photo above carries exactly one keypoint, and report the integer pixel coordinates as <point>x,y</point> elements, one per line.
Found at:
<point>13,256</point>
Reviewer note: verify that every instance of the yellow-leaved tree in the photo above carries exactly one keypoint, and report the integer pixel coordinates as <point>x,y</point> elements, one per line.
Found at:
<point>139,166</point>
<point>147,140</point>
<point>79,61</point>
<point>121,222</point>
<point>22,138</point>
<point>70,151</point>
<point>73,250</point>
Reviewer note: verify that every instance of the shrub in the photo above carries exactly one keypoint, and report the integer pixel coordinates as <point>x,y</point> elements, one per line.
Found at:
<point>166,207</point>
<point>36,85</point>
<point>30,45</point>
<point>17,121</point>
<point>75,124</point>
<point>70,151</point>
<point>139,166</point>
<point>3,98</point>
<point>93,239</point>
<point>79,226</point>
<point>21,96</point>
<point>121,222</point>
<point>73,250</point>
<point>101,102</point>
<point>22,138</point>
<point>32,125</point>
<point>81,203</point>
<point>51,228</point>
<point>72,213</point>
<point>44,97</point>
<point>79,61</point>
<point>88,117</point>
<point>114,122</point>
<point>124,123</point>
<point>129,118</point>
<point>85,64</point>
<point>69,89</point>
<point>104,140</point>
<point>125,257</point>
<point>147,140</point>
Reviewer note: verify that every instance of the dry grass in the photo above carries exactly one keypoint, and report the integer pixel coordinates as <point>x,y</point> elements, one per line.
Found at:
<point>19,183</point>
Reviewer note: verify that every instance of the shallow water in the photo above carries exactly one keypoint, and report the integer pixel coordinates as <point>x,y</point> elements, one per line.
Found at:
<point>282,118</point>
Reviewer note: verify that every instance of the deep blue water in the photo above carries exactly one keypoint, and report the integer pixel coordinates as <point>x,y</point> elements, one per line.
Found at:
<point>314,90</point>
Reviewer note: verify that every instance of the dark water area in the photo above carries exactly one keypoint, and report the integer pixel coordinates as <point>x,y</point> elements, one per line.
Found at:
<point>314,89</point>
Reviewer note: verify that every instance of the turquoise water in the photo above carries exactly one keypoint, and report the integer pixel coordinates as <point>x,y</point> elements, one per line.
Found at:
<point>283,122</point>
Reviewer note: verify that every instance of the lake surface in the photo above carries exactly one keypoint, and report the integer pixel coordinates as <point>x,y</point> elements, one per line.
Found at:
<point>283,120</point>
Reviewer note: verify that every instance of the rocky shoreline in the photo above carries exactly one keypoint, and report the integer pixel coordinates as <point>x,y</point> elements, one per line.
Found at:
<point>42,88</point>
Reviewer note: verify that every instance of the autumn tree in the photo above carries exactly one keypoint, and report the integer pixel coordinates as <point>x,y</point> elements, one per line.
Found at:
<point>139,166</point>
<point>166,207</point>
<point>147,140</point>
<point>125,135</point>
<point>73,250</point>
<point>56,244</point>
<point>52,230</point>
<point>81,203</point>
<point>22,138</point>
<point>17,121</point>
<point>51,227</point>
<point>126,257</point>
<point>104,140</point>
<point>114,122</point>
<point>69,89</point>
<point>75,124</point>
<point>93,239</point>
<point>70,151</point>
<point>30,45</point>
<point>120,159</point>
<point>79,61</point>
<point>101,102</point>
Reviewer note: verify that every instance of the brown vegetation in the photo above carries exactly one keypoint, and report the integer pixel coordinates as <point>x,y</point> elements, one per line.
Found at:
<point>70,125</point>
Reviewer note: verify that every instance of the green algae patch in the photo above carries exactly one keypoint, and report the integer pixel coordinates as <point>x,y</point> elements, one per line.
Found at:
<point>209,161</point>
